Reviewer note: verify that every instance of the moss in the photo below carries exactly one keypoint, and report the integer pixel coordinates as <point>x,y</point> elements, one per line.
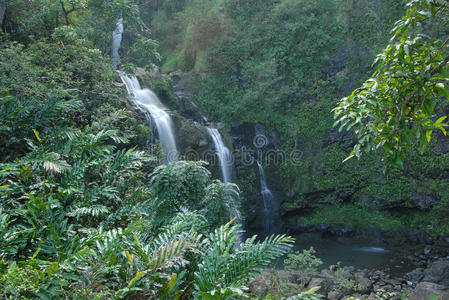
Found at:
<point>353,216</point>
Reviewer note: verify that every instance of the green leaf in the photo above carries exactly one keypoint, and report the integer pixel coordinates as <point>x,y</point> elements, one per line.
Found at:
<point>171,283</point>
<point>36,133</point>
<point>398,161</point>
<point>442,90</point>
<point>138,275</point>
<point>428,106</point>
<point>129,257</point>
<point>428,135</point>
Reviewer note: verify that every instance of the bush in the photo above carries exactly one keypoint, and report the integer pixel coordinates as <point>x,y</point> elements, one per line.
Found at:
<point>306,262</point>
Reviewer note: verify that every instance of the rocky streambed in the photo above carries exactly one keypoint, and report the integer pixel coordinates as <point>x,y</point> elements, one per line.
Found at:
<point>429,277</point>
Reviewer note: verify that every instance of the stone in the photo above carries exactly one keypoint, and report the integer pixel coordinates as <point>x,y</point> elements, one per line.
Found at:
<point>438,272</point>
<point>335,295</point>
<point>323,283</point>
<point>363,281</point>
<point>427,290</point>
<point>423,200</point>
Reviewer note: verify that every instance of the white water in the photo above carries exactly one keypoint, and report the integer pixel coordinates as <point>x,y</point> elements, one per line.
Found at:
<point>373,249</point>
<point>149,104</point>
<point>223,153</point>
<point>116,41</point>
<point>267,197</point>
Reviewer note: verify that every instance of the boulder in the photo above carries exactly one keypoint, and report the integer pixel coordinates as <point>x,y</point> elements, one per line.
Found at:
<point>422,200</point>
<point>261,283</point>
<point>415,276</point>
<point>193,140</point>
<point>365,284</point>
<point>427,290</point>
<point>323,283</point>
<point>438,272</point>
<point>335,295</point>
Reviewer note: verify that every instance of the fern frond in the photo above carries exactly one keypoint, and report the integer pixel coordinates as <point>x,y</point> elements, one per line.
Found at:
<point>169,255</point>
<point>224,265</point>
<point>93,211</point>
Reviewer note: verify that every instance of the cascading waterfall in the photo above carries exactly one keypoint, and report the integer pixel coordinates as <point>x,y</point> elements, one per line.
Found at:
<point>268,198</point>
<point>116,41</point>
<point>150,105</point>
<point>223,153</point>
<point>226,164</point>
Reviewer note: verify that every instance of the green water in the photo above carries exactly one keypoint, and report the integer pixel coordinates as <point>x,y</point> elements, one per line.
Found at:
<point>361,253</point>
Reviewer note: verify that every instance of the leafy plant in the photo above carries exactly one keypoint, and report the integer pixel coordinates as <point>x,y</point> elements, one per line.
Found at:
<point>396,106</point>
<point>306,262</point>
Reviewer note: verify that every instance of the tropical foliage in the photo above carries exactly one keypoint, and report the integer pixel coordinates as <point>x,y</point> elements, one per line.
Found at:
<point>397,105</point>
<point>85,211</point>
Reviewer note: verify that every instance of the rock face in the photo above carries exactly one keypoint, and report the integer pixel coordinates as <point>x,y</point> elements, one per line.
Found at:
<point>429,290</point>
<point>187,107</point>
<point>2,11</point>
<point>192,139</point>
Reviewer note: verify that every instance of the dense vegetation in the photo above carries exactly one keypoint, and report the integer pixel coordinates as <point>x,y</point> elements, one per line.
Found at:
<point>285,64</point>
<point>87,212</point>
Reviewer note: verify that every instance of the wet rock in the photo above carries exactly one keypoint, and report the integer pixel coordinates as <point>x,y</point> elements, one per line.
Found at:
<point>187,107</point>
<point>423,200</point>
<point>414,276</point>
<point>192,139</point>
<point>323,283</point>
<point>335,295</point>
<point>420,237</point>
<point>261,283</point>
<point>438,272</point>
<point>299,279</point>
<point>365,284</point>
<point>427,290</point>
<point>339,230</point>
<point>322,227</point>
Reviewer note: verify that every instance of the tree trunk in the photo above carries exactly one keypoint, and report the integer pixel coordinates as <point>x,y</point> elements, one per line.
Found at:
<point>2,11</point>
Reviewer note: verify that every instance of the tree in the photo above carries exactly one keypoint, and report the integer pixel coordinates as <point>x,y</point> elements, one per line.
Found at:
<point>395,108</point>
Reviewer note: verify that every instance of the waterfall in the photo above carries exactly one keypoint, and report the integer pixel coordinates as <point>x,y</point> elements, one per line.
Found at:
<point>223,153</point>
<point>268,198</point>
<point>151,106</point>
<point>116,41</point>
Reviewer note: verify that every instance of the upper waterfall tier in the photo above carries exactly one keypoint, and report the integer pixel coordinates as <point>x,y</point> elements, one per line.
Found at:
<point>152,107</point>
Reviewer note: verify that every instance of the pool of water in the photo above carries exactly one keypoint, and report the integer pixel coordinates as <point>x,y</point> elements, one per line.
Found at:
<point>357,252</point>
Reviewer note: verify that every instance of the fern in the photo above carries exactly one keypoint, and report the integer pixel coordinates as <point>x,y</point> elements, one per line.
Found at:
<point>93,211</point>
<point>225,265</point>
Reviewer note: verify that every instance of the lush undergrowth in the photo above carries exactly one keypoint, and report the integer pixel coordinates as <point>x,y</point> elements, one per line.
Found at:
<point>85,211</point>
